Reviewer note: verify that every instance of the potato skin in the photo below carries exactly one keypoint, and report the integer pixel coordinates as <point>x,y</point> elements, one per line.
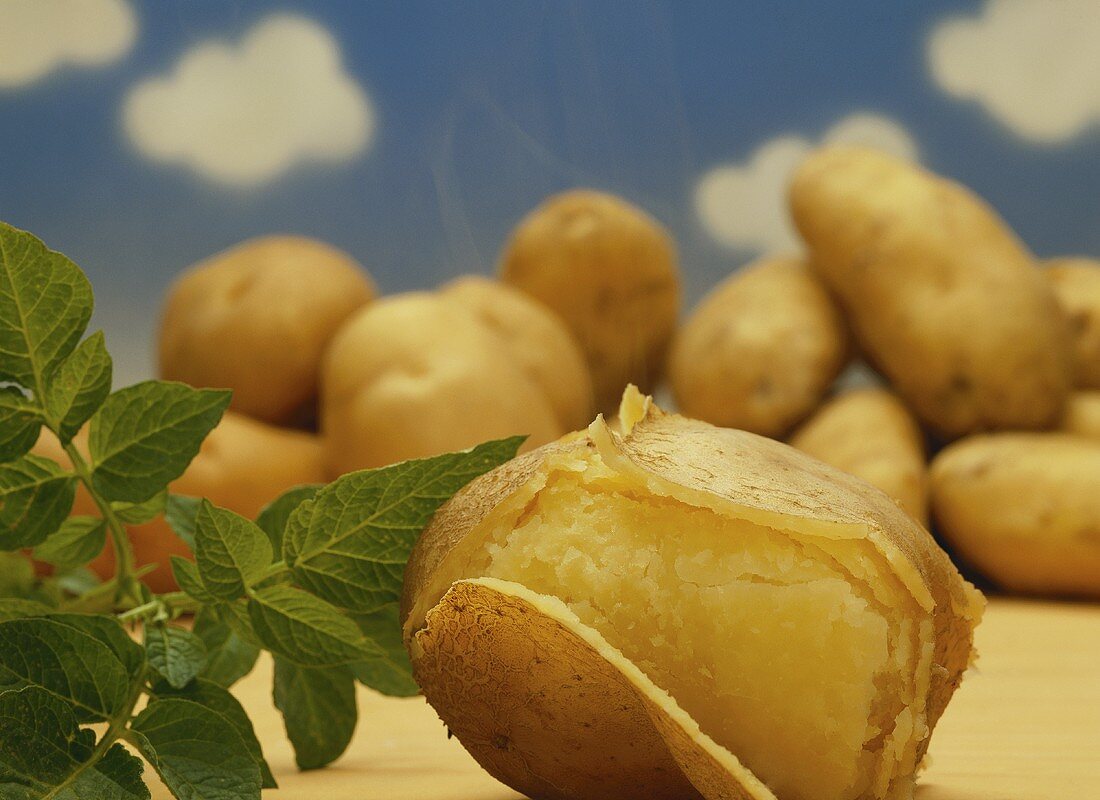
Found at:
<point>1082,415</point>
<point>537,340</point>
<point>1076,283</point>
<point>609,270</point>
<point>256,319</point>
<point>416,375</point>
<point>1024,509</point>
<point>870,433</point>
<point>941,295</point>
<point>761,349</point>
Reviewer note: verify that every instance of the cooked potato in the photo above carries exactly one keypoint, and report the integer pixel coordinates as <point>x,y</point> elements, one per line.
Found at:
<point>257,318</point>
<point>416,375</point>
<point>1083,414</point>
<point>674,610</point>
<point>942,296</point>
<point>243,465</point>
<point>871,434</point>
<point>536,339</point>
<point>1076,283</point>
<point>1024,509</point>
<point>609,270</point>
<point>760,351</point>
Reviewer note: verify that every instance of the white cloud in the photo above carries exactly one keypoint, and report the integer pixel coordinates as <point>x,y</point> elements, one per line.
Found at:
<point>38,37</point>
<point>744,205</point>
<point>1034,66</point>
<point>245,114</point>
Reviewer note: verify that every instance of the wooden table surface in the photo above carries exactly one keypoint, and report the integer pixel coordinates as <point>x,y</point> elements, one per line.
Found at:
<point>1024,726</point>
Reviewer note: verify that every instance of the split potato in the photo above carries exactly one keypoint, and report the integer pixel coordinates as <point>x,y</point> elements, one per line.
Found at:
<point>416,375</point>
<point>870,433</point>
<point>760,351</point>
<point>1076,283</point>
<point>609,270</point>
<point>1024,509</point>
<point>1082,415</point>
<point>536,339</point>
<point>257,318</point>
<point>674,610</point>
<point>243,465</point>
<point>941,294</point>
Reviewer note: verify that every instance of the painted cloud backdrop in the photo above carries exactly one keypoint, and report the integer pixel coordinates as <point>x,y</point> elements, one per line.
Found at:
<point>142,135</point>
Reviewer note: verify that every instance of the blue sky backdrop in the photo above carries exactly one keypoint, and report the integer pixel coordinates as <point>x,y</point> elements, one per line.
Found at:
<point>415,134</point>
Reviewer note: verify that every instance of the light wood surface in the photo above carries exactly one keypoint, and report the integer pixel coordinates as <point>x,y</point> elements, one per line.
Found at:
<point>1024,726</point>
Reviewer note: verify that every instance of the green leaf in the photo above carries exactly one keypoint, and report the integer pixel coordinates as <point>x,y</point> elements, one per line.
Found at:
<point>231,551</point>
<point>16,575</point>
<point>36,496</point>
<point>305,629</point>
<point>108,631</point>
<point>78,386</point>
<point>349,545</point>
<point>237,616</point>
<point>78,580</point>
<point>229,656</point>
<point>216,698</point>
<point>20,424</point>
<point>139,513</point>
<point>390,672</point>
<point>319,710</point>
<point>44,752</point>
<point>18,608</point>
<point>177,654</point>
<point>187,576</point>
<point>273,517</point>
<point>145,435</point>
<point>196,751</point>
<point>180,512</point>
<point>76,542</point>
<point>45,305</point>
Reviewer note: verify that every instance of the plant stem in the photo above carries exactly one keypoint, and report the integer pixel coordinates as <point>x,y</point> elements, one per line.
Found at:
<point>173,603</point>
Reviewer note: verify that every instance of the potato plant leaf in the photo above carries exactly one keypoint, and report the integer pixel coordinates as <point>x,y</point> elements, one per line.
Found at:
<point>177,654</point>
<point>180,512</point>
<point>187,577</point>
<point>273,517</point>
<point>139,513</point>
<point>318,708</point>
<point>390,671</point>
<point>229,656</point>
<point>230,551</point>
<point>20,424</point>
<point>36,496</point>
<point>78,386</point>
<point>76,542</point>
<point>304,629</point>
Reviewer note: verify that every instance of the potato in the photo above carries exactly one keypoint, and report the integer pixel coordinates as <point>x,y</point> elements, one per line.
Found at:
<point>870,433</point>
<point>1083,414</point>
<point>760,351</point>
<point>609,270</point>
<point>1076,283</point>
<point>1024,508</point>
<point>243,465</point>
<point>257,318</point>
<point>536,339</point>
<point>941,295</point>
<point>675,610</point>
<point>416,375</point>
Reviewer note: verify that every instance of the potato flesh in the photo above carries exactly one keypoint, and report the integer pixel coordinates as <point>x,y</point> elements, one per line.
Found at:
<point>771,650</point>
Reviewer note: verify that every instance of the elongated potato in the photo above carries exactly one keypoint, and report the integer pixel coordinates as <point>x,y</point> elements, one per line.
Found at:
<point>1082,415</point>
<point>942,296</point>
<point>609,270</point>
<point>871,434</point>
<point>1076,283</point>
<point>760,351</point>
<point>1024,508</point>
<point>257,318</point>
<point>674,610</point>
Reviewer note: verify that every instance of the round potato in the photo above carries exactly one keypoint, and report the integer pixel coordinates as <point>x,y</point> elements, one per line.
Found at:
<point>242,465</point>
<point>1076,283</point>
<point>536,339</point>
<point>609,270</point>
<point>674,610</point>
<point>1024,509</point>
<point>416,375</point>
<point>257,318</point>
<point>1082,415</point>
<point>870,433</point>
<point>760,351</point>
<point>941,295</point>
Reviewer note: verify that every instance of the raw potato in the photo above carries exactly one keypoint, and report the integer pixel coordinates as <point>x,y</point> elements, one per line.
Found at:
<point>871,434</point>
<point>417,375</point>
<point>760,351</point>
<point>243,465</point>
<point>609,270</point>
<point>941,295</point>
<point>537,340</point>
<point>1024,508</point>
<point>674,610</point>
<point>257,318</point>
<point>1076,283</point>
<point>1083,414</point>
